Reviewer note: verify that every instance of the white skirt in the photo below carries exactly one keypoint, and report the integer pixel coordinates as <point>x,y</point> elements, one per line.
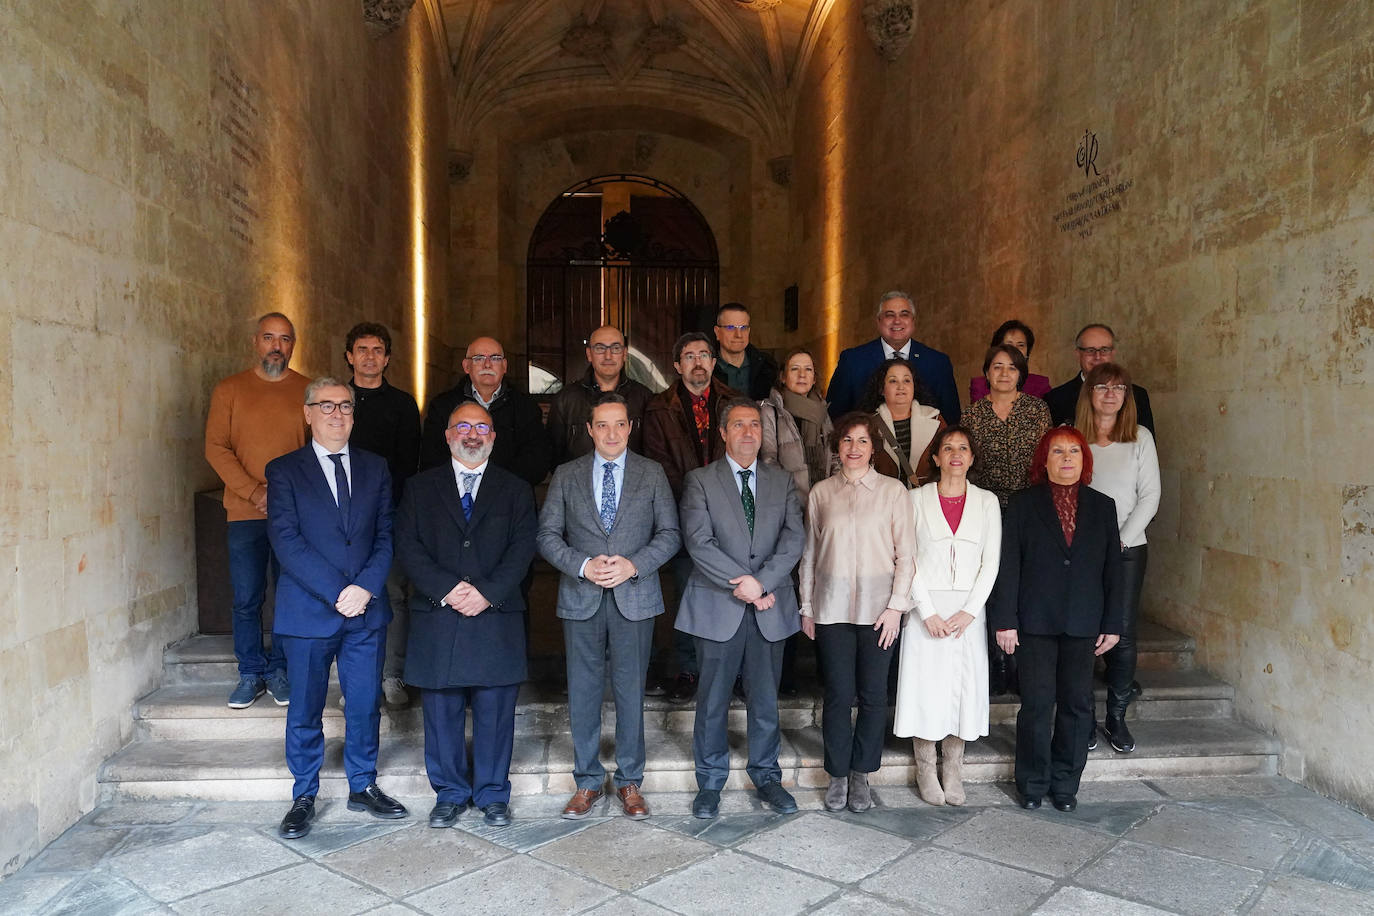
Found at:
<point>942,684</point>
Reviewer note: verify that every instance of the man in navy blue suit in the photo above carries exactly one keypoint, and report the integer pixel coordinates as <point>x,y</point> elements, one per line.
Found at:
<point>896,319</point>
<point>329,521</point>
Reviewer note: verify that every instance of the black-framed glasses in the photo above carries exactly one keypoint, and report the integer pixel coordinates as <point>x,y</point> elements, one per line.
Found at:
<point>1097,351</point>
<point>1103,389</point>
<point>602,349</point>
<point>463,428</point>
<point>495,359</point>
<point>328,407</point>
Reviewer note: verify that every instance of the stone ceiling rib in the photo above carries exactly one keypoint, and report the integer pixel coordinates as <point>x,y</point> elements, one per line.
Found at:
<point>811,35</point>
<point>470,43</point>
<point>772,38</point>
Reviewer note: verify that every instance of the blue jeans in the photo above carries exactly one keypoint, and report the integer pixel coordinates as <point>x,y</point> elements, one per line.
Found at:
<point>250,554</point>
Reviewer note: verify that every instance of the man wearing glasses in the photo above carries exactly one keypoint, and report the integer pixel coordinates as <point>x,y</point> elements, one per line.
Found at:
<point>465,535</point>
<point>742,366</point>
<point>522,444</point>
<point>330,525</point>
<point>571,409</point>
<point>1096,344</point>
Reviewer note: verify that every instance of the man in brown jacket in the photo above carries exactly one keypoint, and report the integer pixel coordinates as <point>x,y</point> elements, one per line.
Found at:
<point>681,433</point>
<point>255,416</point>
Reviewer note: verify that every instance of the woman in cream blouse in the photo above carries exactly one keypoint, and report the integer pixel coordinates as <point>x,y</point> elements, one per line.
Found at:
<point>942,684</point>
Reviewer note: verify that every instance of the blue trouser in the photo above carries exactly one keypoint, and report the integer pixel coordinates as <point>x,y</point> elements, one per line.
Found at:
<point>493,740</point>
<point>359,652</point>
<point>749,655</point>
<point>250,554</point>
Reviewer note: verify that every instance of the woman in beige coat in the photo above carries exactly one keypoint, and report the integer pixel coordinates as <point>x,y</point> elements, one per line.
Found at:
<point>907,422</point>
<point>796,424</point>
<point>942,681</point>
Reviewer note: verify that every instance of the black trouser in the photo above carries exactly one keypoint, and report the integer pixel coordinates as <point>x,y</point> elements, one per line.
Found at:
<point>853,665</point>
<point>1121,660</point>
<point>1056,714</point>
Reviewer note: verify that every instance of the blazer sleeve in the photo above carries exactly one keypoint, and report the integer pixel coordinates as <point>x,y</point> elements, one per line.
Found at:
<point>787,550</point>
<point>667,537</point>
<point>298,558</point>
<point>1003,609</point>
<point>947,392</point>
<point>990,562</point>
<point>699,536</point>
<point>552,537</point>
<point>373,575</point>
<point>1144,416</point>
<point>431,578</point>
<point>842,391</point>
<point>503,582</point>
<point>1113,574</point>
<point>1146,489</point>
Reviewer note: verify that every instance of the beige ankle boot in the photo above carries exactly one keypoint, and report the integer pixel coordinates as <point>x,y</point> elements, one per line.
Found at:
<point>927,784</point>
<point>952,770</point>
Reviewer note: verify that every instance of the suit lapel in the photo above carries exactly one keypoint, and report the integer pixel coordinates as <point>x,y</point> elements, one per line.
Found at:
<point>452,497</point>
<point>485,496</point>
<point>583,486</point>
<point>725,478</point>
<point>629,485</point>
<point>314,472</point>
<point>1044,505</point>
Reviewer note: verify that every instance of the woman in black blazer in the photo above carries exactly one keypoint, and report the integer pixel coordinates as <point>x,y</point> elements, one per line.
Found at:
<point>1058,604</point>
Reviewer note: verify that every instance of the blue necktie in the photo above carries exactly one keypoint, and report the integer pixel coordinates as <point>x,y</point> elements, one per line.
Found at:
<point>468,481</point>
<point>746,496</point>
<point>608,496</point>
<point>341,486</point>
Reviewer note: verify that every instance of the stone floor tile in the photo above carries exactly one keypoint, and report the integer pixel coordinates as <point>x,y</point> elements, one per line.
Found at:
<point>103,893</point>
<point>857,903</point>
<point>174,870</point>
<point>1240,841</point>
<point>1190,884</point>
<point>548,804</point>
<point>27,893</point>
<point>524,835</point>
<point>253,813</point>
<point>1190,787</point>
<point>79,849</point>
<point>1117,790</point>
<point>625,905</point>
<point>1323,816</point>
<point>304,887</point>
<point>152,837</point>
<point>1237,806</point>
<point>391,909</point>
<point>1322,860</point>
<point>128,814</point>
<point>944,881</point>
<point>1293,896</point>
<point>624,853</point>
<point>828,847</point>
<point>912,823</point>
<point>324,839</point>
<point>726,830</point>
<point>1040,842</point>
<point>409,860</point>
<point>1115,818</point>
<point>1078,901</point>
<point>769,890</point>
<point>993,794</point>
<point>517,885</point>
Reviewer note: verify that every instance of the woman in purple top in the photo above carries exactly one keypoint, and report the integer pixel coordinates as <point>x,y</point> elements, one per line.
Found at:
<point>1021,337</point>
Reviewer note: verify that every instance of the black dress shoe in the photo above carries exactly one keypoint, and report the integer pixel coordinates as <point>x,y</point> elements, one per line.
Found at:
<point>1092,738</point>
<point>378,802</point>
<point>296,824</point>
<point>654,686</point>
<point>1030,802</point>
<point>707,804</point>
<point>776,797</point>
<point>444,814</point>
<point>1065,802</point>
<point>1118,735</point>
<point>684,688</point>
<point>496,814</point>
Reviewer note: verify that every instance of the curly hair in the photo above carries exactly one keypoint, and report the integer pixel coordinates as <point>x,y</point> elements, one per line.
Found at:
<point>873,391</point>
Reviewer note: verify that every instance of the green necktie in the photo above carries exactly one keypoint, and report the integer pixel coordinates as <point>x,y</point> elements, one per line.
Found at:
<point>747,497</point>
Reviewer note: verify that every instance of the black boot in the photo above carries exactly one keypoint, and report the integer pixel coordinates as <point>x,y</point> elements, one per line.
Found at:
<point>1118,734</point>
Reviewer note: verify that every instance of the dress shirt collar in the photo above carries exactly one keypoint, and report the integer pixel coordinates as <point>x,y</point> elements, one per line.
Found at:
<point>736,467</point>
<point>459,469</point>
<point>869,479</point>
<point>323,453</point>
<point>602,459</point>
<point>889,351</point>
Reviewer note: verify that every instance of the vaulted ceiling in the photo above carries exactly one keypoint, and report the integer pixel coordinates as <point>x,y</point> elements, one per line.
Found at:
<point>747,55</point>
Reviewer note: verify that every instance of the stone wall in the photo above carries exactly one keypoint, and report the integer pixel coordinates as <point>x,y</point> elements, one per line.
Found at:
<point>1223,227</point>
<point>167,172</point>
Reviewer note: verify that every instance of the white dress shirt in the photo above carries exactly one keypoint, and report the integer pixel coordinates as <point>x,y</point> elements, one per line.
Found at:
<point>459,469</point>
<point>736,467</point>
<point>889,352</point>
<point>598,476</point>
<point>327,465</point>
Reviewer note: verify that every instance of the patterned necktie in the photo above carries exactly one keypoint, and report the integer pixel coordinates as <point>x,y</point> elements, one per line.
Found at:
<point>468,481</point>
<point>747,497</point>
<point>608,495</point>
<point>341,485</point>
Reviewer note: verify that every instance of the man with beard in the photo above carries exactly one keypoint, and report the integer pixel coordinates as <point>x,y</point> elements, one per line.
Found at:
<point>572,406</point>
<point>465,535</point>
<point>522,446</point>
<point>255,416</point>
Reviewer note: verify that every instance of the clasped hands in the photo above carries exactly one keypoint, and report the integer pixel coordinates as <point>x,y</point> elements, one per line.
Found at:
<point>955,626</point>
<point>466,600</point>
<point>608,572</point>
<point>750,590</point>
<point>352,601</point>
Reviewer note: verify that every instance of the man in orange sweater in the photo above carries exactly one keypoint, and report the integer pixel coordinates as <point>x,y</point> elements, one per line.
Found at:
<point>255,416</point>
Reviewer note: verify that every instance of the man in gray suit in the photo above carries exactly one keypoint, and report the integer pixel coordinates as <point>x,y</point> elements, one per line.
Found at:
<point>742,526</point>
<point>608,524</point>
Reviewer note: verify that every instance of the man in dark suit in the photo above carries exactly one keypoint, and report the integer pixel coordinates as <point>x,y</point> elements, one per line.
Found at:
<point>608,523</point>
<point>329,521</point>
<point>742,524</point>
<point>1096,344</point>
<point>896,319</point>
<point>465,536</point>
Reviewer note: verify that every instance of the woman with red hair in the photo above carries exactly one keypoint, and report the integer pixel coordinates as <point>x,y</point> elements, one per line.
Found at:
<point>1057,605</point>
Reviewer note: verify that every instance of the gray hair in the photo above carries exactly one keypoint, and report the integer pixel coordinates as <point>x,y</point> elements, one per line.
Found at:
<point>723,411</point>
<point>261,318</point>
<point>894,294</point>
<point>324,381</point>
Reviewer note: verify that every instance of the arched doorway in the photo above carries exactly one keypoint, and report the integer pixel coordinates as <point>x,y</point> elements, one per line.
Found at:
<point>626,250</point>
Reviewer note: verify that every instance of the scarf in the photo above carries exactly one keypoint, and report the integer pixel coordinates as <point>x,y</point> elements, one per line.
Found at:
<point>813,421</point>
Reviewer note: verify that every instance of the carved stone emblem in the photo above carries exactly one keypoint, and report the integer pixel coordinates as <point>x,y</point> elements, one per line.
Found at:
<point>584,39</point>
<point>780,170</point>
<point>459,165</point>
<point>890,25</point>
<point>662,38</point>
<point>385,16</point>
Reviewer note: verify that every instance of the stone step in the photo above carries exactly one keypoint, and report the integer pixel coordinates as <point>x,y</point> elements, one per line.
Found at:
<point>197,711</point>
<point>210,659</point>
<point>255,770</point>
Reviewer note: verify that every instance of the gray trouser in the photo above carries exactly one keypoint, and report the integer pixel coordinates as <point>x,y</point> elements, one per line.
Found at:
<point>759,662</point>
<point>628,644</point>
<point>398,590</point>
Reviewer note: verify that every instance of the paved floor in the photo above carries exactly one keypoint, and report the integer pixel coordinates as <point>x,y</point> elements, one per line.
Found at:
<point>1201,845</point>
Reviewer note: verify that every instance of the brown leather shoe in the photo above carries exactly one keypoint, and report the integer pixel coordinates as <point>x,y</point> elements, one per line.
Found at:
<point>580,805</point>
<point>636,808</point>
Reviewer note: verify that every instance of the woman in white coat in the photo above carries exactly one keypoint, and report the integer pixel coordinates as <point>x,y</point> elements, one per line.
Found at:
<point>942,684</point>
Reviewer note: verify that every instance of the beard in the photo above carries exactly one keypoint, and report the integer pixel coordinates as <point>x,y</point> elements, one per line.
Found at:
<point>471,456</point>
<point>273,365</point>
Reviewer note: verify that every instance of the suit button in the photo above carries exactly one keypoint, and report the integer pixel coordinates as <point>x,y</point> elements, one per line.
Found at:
<point>1066,562</point>
<point>467,543</point>
<point>751,556</point>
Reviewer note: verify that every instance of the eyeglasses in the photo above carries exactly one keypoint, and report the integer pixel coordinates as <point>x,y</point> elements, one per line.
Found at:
<point>603,349</point>
<point>327,407</point>
<point>733,327</point>
<point>482,359</point>
<point>1115,389</point>
<point>463,428</point>
<point>1097,351</point>
<point>695,357</point>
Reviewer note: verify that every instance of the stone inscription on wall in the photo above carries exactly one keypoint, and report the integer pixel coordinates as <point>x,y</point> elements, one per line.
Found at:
<point>1099,197</point>
<point>240,122</point>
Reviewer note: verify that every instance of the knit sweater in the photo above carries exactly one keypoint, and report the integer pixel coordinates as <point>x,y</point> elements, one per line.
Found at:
<point>252,421</point>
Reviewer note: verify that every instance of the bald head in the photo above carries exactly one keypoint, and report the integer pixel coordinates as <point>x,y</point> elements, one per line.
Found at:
<point>470,434</point>
<point>485,365</point>
<point>606,353</point>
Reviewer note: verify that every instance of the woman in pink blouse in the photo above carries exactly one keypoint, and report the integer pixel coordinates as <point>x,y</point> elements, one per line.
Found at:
<point>855,580</point>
